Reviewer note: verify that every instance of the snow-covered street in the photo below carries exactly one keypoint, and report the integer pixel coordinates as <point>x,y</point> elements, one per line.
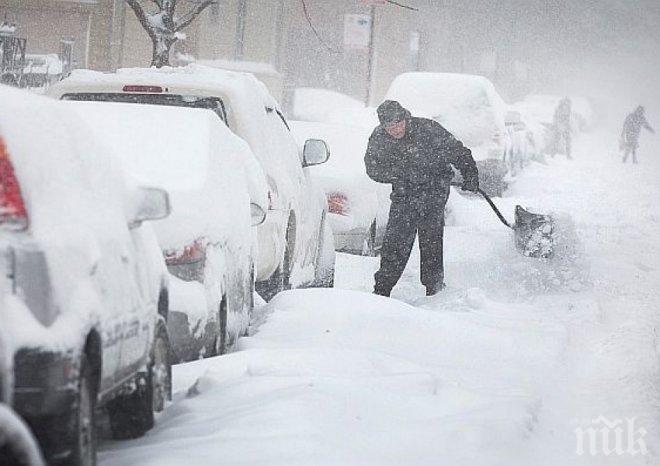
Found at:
<point>505,367</point>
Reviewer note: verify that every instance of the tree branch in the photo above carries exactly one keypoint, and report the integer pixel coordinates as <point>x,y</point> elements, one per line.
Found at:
<point>142,17</point>
<point>393,2</point>
<point>188,18</point>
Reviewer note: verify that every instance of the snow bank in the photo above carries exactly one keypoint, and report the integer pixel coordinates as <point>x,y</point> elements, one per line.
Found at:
<point>338,377</point>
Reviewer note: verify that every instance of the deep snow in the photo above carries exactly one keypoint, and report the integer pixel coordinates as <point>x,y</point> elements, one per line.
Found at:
<point>498,370</point>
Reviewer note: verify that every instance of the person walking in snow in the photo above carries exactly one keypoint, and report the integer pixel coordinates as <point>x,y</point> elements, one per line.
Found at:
<point>561,128</point>
<point>632,126</point>
<point>415,156</point>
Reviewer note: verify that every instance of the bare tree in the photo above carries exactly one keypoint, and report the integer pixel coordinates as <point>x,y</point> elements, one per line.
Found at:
<point>161,21</point>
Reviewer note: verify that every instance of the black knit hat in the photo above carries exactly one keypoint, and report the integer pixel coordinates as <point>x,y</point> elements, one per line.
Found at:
<point>391,111</point>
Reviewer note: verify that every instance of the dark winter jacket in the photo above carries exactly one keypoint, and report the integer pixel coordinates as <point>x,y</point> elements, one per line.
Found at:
<point>633,124</point>
<point>420,162</point>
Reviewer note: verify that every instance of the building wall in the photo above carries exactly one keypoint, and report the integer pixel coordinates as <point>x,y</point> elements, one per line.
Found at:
<point>45,22</point>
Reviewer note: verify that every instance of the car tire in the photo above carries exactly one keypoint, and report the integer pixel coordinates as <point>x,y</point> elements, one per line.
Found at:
<point>369,246</point>
<point>82,419</point>
<point>279,281</point>
<point>326,255</point>
<point>220,345</point>
<point>132,414</point>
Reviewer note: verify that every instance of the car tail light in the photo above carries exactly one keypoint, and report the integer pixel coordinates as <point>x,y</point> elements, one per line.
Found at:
<point>338,203</point>
<point>13,215</point>
<point>139,88</point>
<point>191,254</point>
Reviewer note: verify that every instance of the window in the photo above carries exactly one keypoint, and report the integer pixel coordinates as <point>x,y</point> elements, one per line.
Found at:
<point>212,103</point>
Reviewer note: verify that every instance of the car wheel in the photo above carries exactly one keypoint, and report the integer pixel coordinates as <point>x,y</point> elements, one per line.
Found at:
<point>221,337</point>
<point>325,262</point>
<point>369,245</point>
<point>83,419</point>
<point>279,281</point>
<point>132,414</point>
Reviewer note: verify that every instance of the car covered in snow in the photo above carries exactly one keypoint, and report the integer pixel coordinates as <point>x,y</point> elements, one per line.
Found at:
<point>295,240</point>
<point>469,107</point>
<point>82,281</point>
<point>538,110</point>
<point>216,185</point>
<point>357,205</point>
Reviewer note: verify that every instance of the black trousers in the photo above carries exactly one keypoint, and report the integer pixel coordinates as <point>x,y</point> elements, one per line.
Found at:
<point>422,215</point>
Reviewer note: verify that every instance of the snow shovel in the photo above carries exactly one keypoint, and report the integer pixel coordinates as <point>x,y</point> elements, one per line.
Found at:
<point>533,232</point>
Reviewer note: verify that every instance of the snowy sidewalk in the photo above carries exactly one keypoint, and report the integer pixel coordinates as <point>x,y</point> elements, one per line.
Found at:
<point>498,370</point>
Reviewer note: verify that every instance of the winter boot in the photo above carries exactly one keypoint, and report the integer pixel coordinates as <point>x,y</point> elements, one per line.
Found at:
<point>435,289</point>
<point>382,292</point>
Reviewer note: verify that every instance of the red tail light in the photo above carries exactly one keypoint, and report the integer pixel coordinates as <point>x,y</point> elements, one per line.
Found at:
<point>13,215</point>
<point>191,254</point>
<point>338,204</point>
<point>148,89</point>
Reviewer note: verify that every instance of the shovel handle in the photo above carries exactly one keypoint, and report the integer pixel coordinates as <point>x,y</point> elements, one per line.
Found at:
<point>491,204</point>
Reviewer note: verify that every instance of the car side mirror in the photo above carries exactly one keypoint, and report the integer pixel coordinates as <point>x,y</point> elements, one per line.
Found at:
<point>257,214</point>
<point>315,152</point>
<point>152,204</point>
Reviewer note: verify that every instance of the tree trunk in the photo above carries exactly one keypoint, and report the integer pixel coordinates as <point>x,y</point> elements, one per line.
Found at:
<point>161,50</point>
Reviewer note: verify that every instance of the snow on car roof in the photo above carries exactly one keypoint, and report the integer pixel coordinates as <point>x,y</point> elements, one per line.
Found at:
<point>467,105</point>
<point>161,146</point>
<point>191,77</point>
<point>429,94</point>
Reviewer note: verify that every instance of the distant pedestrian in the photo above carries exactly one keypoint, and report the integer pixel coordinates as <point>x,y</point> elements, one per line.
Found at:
<point>415,156</point>
<point>632,127</point>
<point>561,129</point>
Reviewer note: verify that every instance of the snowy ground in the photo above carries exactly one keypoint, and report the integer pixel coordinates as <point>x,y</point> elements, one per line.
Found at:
<point>498,370</point>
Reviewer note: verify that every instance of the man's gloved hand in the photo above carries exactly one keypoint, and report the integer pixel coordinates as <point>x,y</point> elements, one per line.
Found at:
<point>471,185</point>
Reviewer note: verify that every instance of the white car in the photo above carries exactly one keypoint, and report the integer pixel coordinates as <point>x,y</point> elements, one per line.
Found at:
<point>295,240</point>
<point>358,206</point>
<point>83,285</point>
<point>208,241</point>
<point>466,105</point>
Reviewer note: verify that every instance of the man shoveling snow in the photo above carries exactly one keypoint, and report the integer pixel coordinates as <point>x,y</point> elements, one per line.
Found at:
<point>415,156</point>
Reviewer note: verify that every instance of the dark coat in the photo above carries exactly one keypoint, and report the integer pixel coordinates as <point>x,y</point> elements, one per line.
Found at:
<point>419,163</point>
<point>632,126</point>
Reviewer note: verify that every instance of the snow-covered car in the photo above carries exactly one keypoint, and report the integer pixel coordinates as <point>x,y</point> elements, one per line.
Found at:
<point>469,107</point>
<point>215,185</point>
<point>82,281</point>
<point>540,108</point>
<point>357,205</point>
<point>295,240</point>
<point>17,444</point>
<point>521,147</point>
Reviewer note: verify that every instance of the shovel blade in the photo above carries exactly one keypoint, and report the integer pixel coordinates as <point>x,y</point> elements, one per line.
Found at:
<point>534,234</point>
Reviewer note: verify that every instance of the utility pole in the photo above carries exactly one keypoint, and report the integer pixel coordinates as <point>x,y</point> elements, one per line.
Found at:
<point>240,30</point>
<point>371,52</point>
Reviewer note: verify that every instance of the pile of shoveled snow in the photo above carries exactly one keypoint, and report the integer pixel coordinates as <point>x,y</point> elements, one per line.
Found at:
<point>344,377</point>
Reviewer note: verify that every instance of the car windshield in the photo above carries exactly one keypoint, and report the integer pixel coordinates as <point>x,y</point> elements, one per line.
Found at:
<point>170,100</point>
